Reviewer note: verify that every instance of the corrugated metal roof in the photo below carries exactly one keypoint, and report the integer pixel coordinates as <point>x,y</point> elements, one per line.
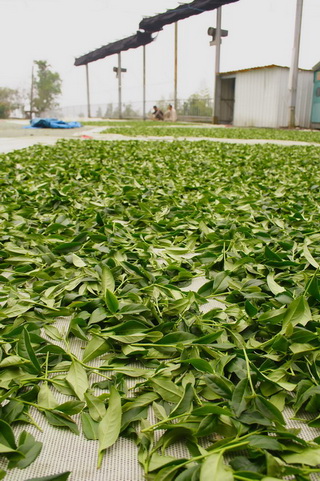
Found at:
<point>259,68</point>
<point>135,41</point>
<point>157,22</point>
<point>150,25</point>
<point>316,67</point>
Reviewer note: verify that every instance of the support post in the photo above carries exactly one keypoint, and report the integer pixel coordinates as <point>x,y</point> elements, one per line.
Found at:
<point>88,91</point>
<point>144,83</point>
<point>217,81</point>
<point>175,95</point>
<point>293,74</point>
<point>119,85</point>
<point>31,93</point>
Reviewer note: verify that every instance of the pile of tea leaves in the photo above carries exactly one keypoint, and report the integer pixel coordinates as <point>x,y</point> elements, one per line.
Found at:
<point>111,237</point>
<point>185,130</point>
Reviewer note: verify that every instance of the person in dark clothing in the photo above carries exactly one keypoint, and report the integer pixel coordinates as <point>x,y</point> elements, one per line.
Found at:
<point>157,114</point>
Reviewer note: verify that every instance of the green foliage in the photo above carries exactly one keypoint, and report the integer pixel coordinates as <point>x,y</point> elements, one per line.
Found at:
<point>129,112</point>
<point>181,131</point>
<point>47,86</point>
<point>106,238</point>
<point>9,101</point>
<point>198,104</point>
<point>99,113</point>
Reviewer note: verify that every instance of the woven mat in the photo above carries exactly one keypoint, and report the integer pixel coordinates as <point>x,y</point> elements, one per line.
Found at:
<point>64,451</point>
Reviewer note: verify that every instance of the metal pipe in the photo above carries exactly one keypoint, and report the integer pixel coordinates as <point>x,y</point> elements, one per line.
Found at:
<point>88,91</point>
<point>119,84</point>
<point>175,95</point>
<point>144,82</point>
<point>31,93</point>
<point>294,69</point>
<point>217,81</point>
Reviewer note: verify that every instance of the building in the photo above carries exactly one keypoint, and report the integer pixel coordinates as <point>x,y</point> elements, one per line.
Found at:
<point>258,97</point>
<point>315,113</point>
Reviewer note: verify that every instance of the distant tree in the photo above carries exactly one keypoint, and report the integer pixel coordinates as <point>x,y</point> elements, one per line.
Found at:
<point>99,113</point>
<point>9,101</point>
<point>129,112</point>
<point>198,104</point>
<point>109,113</point>
<point>47,86</point>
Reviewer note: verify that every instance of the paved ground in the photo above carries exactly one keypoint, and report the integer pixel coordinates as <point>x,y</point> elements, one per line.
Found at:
<point>14,136</point>
<point>17,129</point>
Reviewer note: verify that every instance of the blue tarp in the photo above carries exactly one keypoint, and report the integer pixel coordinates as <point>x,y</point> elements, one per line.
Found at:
<point>47,123</point>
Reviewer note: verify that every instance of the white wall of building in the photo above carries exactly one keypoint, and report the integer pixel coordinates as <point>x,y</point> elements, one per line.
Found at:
<point>304,98</point>
<point>261,97</point>
<point>303,102</point>
<point>256,98</point>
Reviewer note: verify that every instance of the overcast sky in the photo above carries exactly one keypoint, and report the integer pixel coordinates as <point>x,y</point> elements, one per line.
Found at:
<point>260,33</point>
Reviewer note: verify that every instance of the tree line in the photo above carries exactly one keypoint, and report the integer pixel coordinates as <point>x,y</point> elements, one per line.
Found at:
<point>46,86</point>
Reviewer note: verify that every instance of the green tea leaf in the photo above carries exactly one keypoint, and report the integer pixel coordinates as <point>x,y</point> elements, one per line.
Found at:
<point>273,285</point>
<point>265,442</point>
<point>29,449</point>
<point>59,419</point>
<point>309,456</point>
<point>6,449</point>
<point>297,313</point>
<point>107,279</point>
<point>220,385</point>
<point>211,409</point>
<point>12,361</point>
<point>77,261</point>
<point>143,400</point>
<point>214,469</point>
<point>269,410</point>
<point>200,364</point>
<point>185,403</point>
<point>26,350</point>
<point>95,348</point>
<point>70,407</point>
<point>189,474</point>
<point>109,426</point>
<point>240,397</point>
<point>158,461</point>
<point>78,380</point>
<point>167,389</point>
<point>96,406</point>
<point>98,315</point>
<point>309,257</point>
<point>6,435</point>
<point>55,477</point>
<point>89,426</point>
<point>112,302</point>
<point>46,398</point>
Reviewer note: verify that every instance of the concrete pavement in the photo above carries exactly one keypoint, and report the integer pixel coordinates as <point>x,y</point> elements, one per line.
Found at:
<point>13,136</point>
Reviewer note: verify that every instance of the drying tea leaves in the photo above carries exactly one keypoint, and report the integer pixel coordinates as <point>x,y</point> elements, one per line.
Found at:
<point>187,275</point>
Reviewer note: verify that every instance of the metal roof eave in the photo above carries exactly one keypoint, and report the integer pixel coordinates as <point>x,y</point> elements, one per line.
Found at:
<point>156,23</point>
<point>135,41</point>
<point>263,67</point>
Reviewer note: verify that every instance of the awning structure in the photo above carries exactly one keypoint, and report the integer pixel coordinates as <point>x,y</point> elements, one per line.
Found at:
<point>156,23</point>
<point>142,38</point>
<point>138,40</point>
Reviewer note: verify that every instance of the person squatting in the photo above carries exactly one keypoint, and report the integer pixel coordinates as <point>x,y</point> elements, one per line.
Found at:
<point>170,114</point>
